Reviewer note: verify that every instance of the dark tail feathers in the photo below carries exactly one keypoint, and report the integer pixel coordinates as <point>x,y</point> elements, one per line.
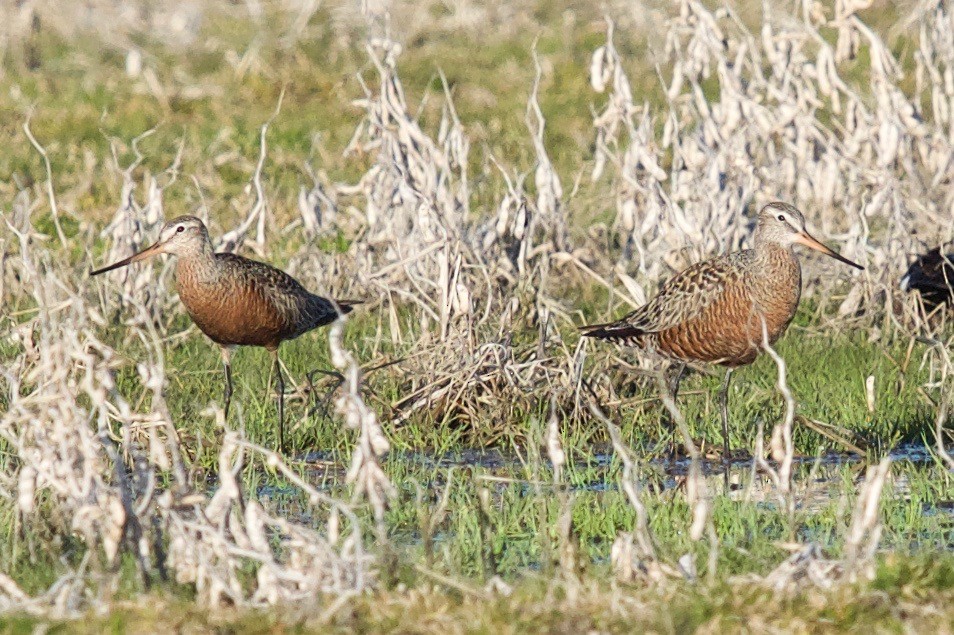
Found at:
<point>346,306</point>
<point>611,331</point>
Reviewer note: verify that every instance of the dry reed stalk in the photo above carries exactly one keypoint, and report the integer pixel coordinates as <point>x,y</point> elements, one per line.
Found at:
<point>132,228</point>
<point>945,384</point>
<point>697,492</point>
<point>365,472</point>
<point>234,239</point>
<point>783,448</point>
<point>634,553</point>
<point>809,565</point>
<point>90,464</point>
<point>864,532</point>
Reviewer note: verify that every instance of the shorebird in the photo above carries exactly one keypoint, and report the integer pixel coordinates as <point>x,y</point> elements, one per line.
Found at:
<point>932,274</point>
<point>714,311</point>
<point>236,301</point>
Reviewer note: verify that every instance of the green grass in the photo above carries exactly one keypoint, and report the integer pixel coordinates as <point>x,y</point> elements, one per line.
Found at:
<point>82,102</point>
<point>833,393</point>
<point>905,594</point>
<point>600,511</point>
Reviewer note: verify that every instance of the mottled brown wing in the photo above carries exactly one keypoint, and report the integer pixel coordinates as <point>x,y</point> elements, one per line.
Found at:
<point>299,309</point>
<point>683,297</point>
<point>271,280</point>
<point>727,330</point>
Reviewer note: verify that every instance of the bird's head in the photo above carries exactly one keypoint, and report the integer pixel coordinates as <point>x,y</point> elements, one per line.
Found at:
<point>181,236</point>
<point>782,224</point>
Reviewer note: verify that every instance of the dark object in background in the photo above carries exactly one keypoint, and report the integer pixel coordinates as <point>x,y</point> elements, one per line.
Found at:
<point>932,274</point>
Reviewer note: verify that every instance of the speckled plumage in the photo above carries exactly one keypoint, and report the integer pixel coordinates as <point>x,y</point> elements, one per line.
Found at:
<point>714,311</point>
<point>710,312</point>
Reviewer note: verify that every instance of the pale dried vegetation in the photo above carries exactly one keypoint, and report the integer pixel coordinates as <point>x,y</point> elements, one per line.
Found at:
<point>751,115</point>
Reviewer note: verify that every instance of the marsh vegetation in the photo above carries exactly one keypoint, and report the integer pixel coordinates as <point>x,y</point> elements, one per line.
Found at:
<point>486,178</point>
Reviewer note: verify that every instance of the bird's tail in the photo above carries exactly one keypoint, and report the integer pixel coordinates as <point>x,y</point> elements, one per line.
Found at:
<point>345,307</point>
<point>618,331</point>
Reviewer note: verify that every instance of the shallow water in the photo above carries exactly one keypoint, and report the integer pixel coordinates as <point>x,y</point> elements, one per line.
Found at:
<point>492,459</point>
<point>819,476</point>
<point>821,484</point>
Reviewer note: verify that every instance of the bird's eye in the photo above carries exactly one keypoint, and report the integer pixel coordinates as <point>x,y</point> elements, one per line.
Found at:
<point>181,228</point>
<point>781,217</point>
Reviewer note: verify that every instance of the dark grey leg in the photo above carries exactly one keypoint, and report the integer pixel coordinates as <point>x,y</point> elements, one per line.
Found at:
<point>724,406</point>
<point>280,387</point>
<point>676,372</point>
<point>227,362</point>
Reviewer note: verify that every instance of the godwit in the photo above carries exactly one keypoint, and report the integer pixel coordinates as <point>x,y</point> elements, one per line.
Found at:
<point>932,274</point>
<point>713,311</point>
<point>236,301</point>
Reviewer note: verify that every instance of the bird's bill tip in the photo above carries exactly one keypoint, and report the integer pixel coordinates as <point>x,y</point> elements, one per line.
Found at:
<point>142,255</point>
<point>806,239</point>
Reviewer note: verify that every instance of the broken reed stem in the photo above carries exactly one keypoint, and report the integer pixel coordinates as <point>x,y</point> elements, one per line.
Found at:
<point>567,545</point>
<point>666,398</point>
<point>234,239</point>
<point>275,461</point>
<point>939,430</point>
<point>764,465</point>
<point>554,445</point>
<point>946,383</point>
<point>630,483</point>
<point>430,519</point>
<point>365,472</point>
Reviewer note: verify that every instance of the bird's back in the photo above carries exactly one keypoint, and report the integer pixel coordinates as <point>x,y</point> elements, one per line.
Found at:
<point>238,301</point>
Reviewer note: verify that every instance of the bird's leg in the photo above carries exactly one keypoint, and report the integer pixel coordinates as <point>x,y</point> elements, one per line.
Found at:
<point>227,363</point>
<point>280,387</point>
<point>675,372</point>
<point>323,402</point>
<point>724,407</point>
<point>339,380</point>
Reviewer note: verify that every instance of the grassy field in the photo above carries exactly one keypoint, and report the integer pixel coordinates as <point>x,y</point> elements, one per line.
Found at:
<point>483,533</point>
<point>889,604</point>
